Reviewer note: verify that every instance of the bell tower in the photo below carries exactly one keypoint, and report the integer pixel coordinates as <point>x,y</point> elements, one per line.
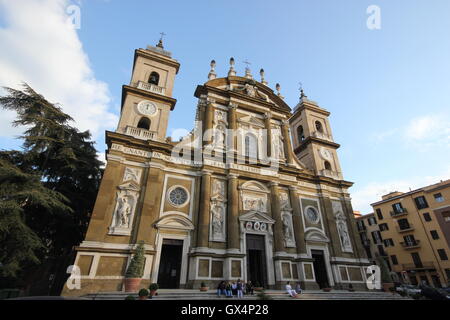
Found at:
<point>312,139</point>
<point>147,100</point>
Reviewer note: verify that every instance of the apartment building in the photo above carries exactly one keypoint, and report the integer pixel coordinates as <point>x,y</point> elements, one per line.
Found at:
<point>370,235</point>
<point>415,231</point>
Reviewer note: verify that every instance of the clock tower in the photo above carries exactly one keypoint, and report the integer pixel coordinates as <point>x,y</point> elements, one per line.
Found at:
<point>147,100</point>
<point>312,139</point>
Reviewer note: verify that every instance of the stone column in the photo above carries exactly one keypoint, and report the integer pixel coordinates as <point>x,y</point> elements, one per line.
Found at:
<point>287,141</point>
<point>232,126</point>
<point>208,123</point>
<point>297,221</point>
<point>233,237</point>
<point>276,215</point>
<point>204,211</point>
<point>267,118</point>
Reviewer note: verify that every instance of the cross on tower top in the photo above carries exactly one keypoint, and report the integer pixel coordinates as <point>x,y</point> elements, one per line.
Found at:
<point>246,62</point>
<point>160,43</point>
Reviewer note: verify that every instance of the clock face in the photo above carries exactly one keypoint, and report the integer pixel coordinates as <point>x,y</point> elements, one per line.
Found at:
<point>148,108</point>
<point>326,154</point>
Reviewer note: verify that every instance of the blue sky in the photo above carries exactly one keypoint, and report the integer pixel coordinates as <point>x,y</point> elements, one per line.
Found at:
<point>388,90</point>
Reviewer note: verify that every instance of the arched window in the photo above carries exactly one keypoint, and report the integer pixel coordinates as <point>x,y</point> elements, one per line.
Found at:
<point>144,123</point>
<point>251,146</point>
<point>300,134</point>
<point>327,166</point>
<point>154,78</point>
<point>319,126</point>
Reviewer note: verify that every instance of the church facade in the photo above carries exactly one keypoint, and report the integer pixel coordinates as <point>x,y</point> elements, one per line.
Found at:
<point>255,192</point>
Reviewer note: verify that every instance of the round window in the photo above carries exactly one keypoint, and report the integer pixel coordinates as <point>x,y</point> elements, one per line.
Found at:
<point>178,196</point>
<point>312,215</point>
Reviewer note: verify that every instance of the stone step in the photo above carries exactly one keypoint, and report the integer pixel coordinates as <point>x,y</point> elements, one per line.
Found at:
<point>274,294</point>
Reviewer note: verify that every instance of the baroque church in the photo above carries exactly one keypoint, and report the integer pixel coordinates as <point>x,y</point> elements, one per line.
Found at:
<point>261,197</point>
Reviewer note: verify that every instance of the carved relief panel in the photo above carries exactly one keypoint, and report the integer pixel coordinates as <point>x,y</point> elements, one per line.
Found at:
<point>126,199</point>
<point>218,210</point>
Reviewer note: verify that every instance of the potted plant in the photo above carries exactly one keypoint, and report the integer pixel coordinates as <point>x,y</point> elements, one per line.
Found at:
<point>133,275</point>
<point>327,289</point>
<point>203,287</point>
<point>350,288</point>
<point>258,286</point>
<point>130,298</point>
<point>386,279</point>
<point>153,288</point>
<point>143,294</point>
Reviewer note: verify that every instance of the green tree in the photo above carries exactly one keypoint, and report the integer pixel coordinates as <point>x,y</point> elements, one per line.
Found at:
<point>65,161</point>
<point>22,195</point>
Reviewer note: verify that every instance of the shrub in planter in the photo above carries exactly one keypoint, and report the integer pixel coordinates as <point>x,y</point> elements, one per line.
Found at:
<point>258,287</point>
<point>133,275</point>
<point>153,288</point>
<point>386,279</point>
<point>326,289</point>
<point>263,296</point>
<point>143,294</point>
<point>130,298</point>
<point>203,287</point>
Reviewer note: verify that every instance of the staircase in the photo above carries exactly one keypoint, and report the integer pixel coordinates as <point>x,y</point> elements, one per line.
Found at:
<point>187,294</point>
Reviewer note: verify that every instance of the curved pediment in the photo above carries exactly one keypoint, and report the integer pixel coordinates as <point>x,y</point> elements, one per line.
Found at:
<point>316,235</point>
<point>174,221</point>
<point>246,88</point>
<point>254,186</point>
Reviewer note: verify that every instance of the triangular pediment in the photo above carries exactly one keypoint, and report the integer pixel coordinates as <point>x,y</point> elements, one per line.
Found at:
<point>252,121</point>
<point>129,185</point>
<point>256,216</point>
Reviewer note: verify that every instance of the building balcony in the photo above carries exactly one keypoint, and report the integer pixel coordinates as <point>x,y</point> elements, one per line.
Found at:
<point>150,87</point>
<point>331,174</point>
<point>411,245</point>
<point>405,229</point>
<point>140,133</point>
<point>399,213</point>
<point>419,266</point>
<point>321,135</point>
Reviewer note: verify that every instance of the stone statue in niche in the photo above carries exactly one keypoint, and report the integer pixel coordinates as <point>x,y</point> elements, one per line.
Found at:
<point>277,144</point>
<point>284,201</point>
<point>123,213</point>
<point>218,221</point>
<point>219,137</point>
<point>342,227</point>
<point>343,233</point>
<point>288,236</point>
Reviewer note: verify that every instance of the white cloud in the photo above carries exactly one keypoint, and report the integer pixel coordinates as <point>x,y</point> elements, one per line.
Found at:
<point>363,196</point>
<point>41,47</point>
<point>429,129</point>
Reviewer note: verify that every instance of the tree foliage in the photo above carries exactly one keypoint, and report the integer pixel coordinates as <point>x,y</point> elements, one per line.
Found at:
<point>136,267</point>
<point>62,172</point>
